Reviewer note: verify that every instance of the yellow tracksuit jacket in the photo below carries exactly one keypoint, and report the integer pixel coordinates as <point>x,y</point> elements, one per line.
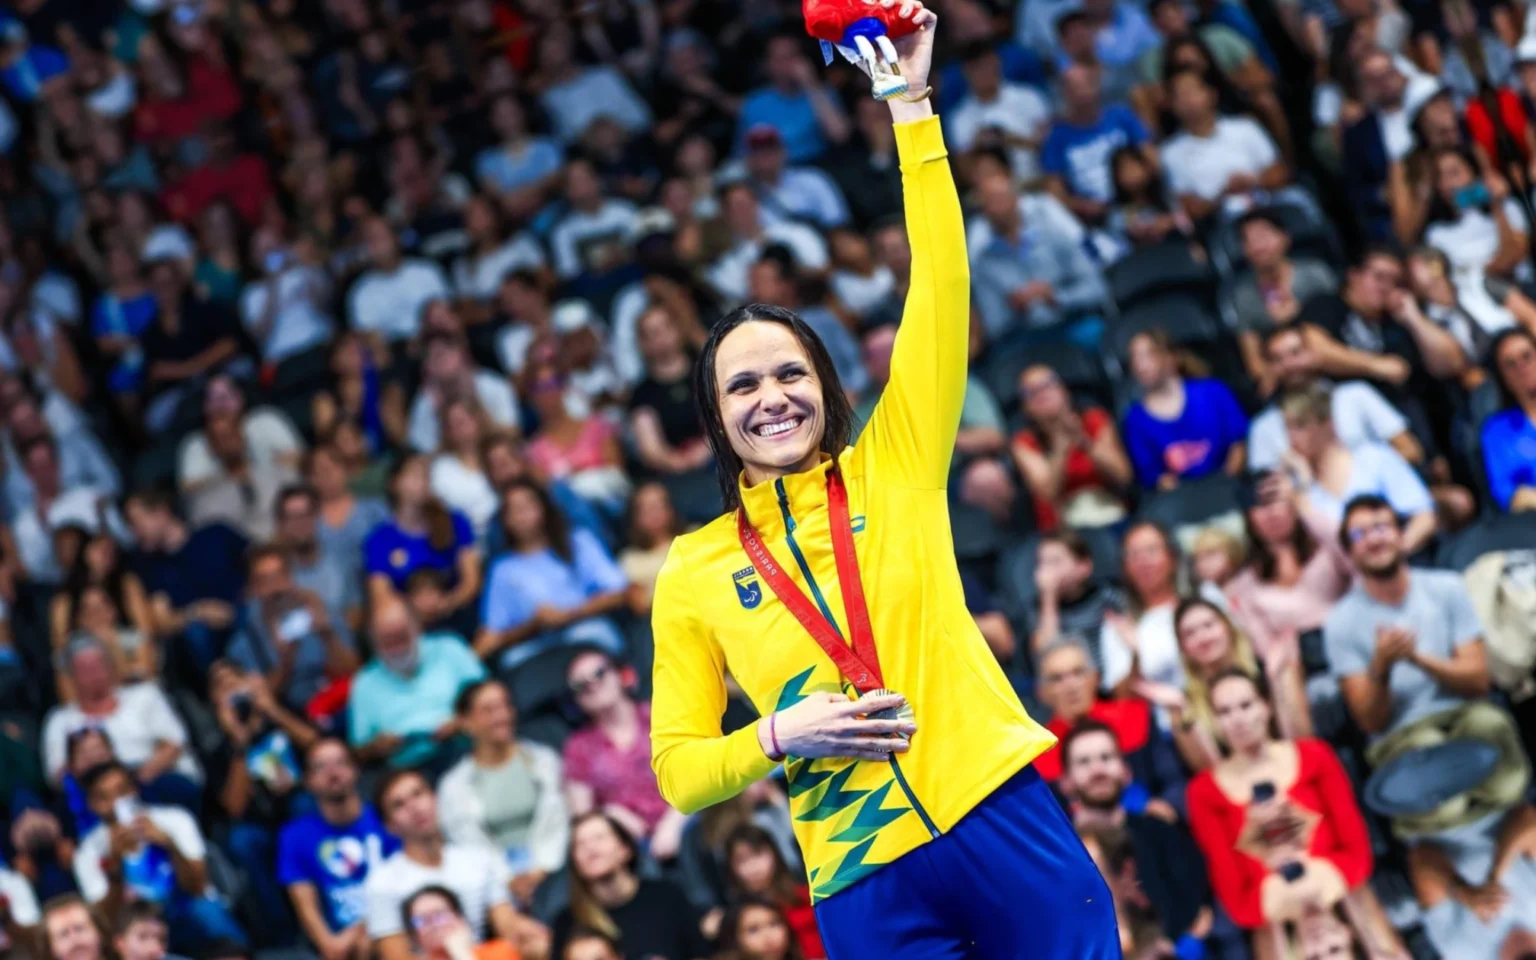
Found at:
<point>713,613</point>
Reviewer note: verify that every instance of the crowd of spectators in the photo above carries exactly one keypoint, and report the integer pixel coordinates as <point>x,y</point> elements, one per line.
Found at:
<point>347,415</point>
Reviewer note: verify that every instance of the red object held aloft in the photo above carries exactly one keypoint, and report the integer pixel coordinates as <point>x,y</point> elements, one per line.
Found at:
<point>829,20</point>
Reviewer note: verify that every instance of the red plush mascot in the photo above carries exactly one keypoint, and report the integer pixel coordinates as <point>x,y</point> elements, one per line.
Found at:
<point>862,31</point>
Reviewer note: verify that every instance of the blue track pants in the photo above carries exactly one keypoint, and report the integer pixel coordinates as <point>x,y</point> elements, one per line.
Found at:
<point>1011,881</point>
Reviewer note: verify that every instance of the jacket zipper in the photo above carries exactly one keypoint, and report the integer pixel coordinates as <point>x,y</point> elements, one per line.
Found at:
<point>821,602</point>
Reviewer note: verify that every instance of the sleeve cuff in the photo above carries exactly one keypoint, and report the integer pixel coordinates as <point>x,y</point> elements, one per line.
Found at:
<point>748,754</point>
<point>920,141</point>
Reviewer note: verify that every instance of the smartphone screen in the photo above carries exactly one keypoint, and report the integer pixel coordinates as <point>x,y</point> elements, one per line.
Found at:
<point>295,624</point>
<point>1263,791</point>
<point>125,810</point>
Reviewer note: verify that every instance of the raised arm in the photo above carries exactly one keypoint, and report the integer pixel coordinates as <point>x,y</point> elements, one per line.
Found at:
<point>911,435</point>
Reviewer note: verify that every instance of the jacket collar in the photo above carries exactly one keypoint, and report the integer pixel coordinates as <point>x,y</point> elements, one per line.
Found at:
<point>799,493</point>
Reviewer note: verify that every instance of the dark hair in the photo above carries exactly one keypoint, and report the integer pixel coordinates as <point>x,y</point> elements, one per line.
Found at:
<point>90,778</point>
<point>1264,215</point>
<point>1263,560</point>
<point>1440,209</point>
<point>1507,398</point>
<point>264,551</point>
<point>137,911</point>
<point>785,888</point>
<point>556,530</point>
<point>389,781</point>
<point>309,752</point>
<point>1068,20</point>
<point>465,701</point>
<point>225,949</point>
<point>632,515</point>
<point>431,890</point>
<point>440,533</point>
<point>26,447</point>
<point>1082,729</point>
<point>153,499</point>
<point>1169,544</point>
<point>836,410</point>
<point>1229,99</point>
<point>1235,673</point>
<point>291,491</point>
<point>976,50</point>
<point>78,580</point>
<point>1371,251</point>
<point>585,907</point>
<point>1156,191</point>
<point>730,942</point>
<point>1365,501</point>
<point>1075,543</point>
<point>1283,330</point>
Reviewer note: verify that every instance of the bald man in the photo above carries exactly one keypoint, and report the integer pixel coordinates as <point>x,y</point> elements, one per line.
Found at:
<point>406,691</point>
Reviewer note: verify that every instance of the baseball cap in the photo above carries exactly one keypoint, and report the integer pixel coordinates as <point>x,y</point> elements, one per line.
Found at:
<point>763,135</point>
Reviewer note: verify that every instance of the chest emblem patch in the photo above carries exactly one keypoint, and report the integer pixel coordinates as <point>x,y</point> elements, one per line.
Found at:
<point>749,589</point>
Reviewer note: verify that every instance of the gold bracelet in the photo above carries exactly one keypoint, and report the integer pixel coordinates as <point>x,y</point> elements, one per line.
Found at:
<point>909,98</point>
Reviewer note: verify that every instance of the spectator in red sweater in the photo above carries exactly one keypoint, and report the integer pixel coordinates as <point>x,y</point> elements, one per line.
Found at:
<point>183,90</point>
<point>1278,822</point>
<point>755,868</point>
<point>238,178</point>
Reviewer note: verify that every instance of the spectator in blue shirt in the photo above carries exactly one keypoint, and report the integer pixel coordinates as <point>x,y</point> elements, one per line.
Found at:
<point>1078,149</point>
<point>794,102</point>
<point>522,170</point>
<point>1122,32</point>
<point>30,68</point>
<point>324,857</point>
<point>1509,436</point>
<point>553,586</point>
<point>421,534</point>
<point>401,704</point>
<point>1180,428</point>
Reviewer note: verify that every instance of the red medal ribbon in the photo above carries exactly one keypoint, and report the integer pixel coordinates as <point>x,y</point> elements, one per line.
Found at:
<point>859,662</point>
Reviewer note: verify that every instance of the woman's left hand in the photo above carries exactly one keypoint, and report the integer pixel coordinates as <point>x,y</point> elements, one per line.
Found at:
<point>915,50</point>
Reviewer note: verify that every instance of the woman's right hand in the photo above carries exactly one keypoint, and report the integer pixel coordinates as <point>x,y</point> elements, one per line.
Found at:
<point>831,725</point>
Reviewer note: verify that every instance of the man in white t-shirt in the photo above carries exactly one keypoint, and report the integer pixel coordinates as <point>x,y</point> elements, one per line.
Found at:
<point>389,297</point>
<point>146,734</point>
<point>751,234</point>
<point>593,237</point>
<point>449,371</point>
<point>1215,157</point>
<point>146,852</point>
<point>1019,113</point>
<point>478,876</point>
<point>1360,413</point>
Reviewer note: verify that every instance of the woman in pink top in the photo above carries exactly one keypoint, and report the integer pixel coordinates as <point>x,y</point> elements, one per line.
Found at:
<point>583,452</point>
<point>1296,570</point>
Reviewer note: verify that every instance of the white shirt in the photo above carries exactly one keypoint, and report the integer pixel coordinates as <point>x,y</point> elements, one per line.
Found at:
<point>479,278</point>
<point>391,303</point>
<point>730,274</point>
<point>269,435</point>
<point>1202,165</point>
<point>861,294</point>
<point>177,824</point>
<point>1360,415</point>
<point>1471,240</point>
<point>1017,111</point>
<point>497,400</point>
<point>298,323</point>
<point>78,506</point>
<point>464,490</point>
<point>142,721</point>
<point>803,193</point>
<point>23,902</point>
<point>478,876</point>
<point>595,92</point>
<point>583,241</point>
<point>1158,646</point>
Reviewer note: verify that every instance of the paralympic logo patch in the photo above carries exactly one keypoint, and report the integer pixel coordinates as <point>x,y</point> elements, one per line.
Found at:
<point>749,590</point>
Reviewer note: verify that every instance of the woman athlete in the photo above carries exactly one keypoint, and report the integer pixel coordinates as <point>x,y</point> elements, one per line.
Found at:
<point>926,831</point>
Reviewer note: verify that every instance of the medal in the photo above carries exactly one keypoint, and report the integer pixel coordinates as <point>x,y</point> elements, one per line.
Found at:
<point>857,660</point>
<point>903,712</point>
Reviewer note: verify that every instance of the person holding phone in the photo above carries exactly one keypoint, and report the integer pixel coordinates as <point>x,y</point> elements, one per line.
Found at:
<point>1278,822</point>
<point>148,852</point>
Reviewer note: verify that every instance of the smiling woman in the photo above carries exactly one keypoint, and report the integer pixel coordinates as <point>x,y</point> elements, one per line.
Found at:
<point>829,591</point>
